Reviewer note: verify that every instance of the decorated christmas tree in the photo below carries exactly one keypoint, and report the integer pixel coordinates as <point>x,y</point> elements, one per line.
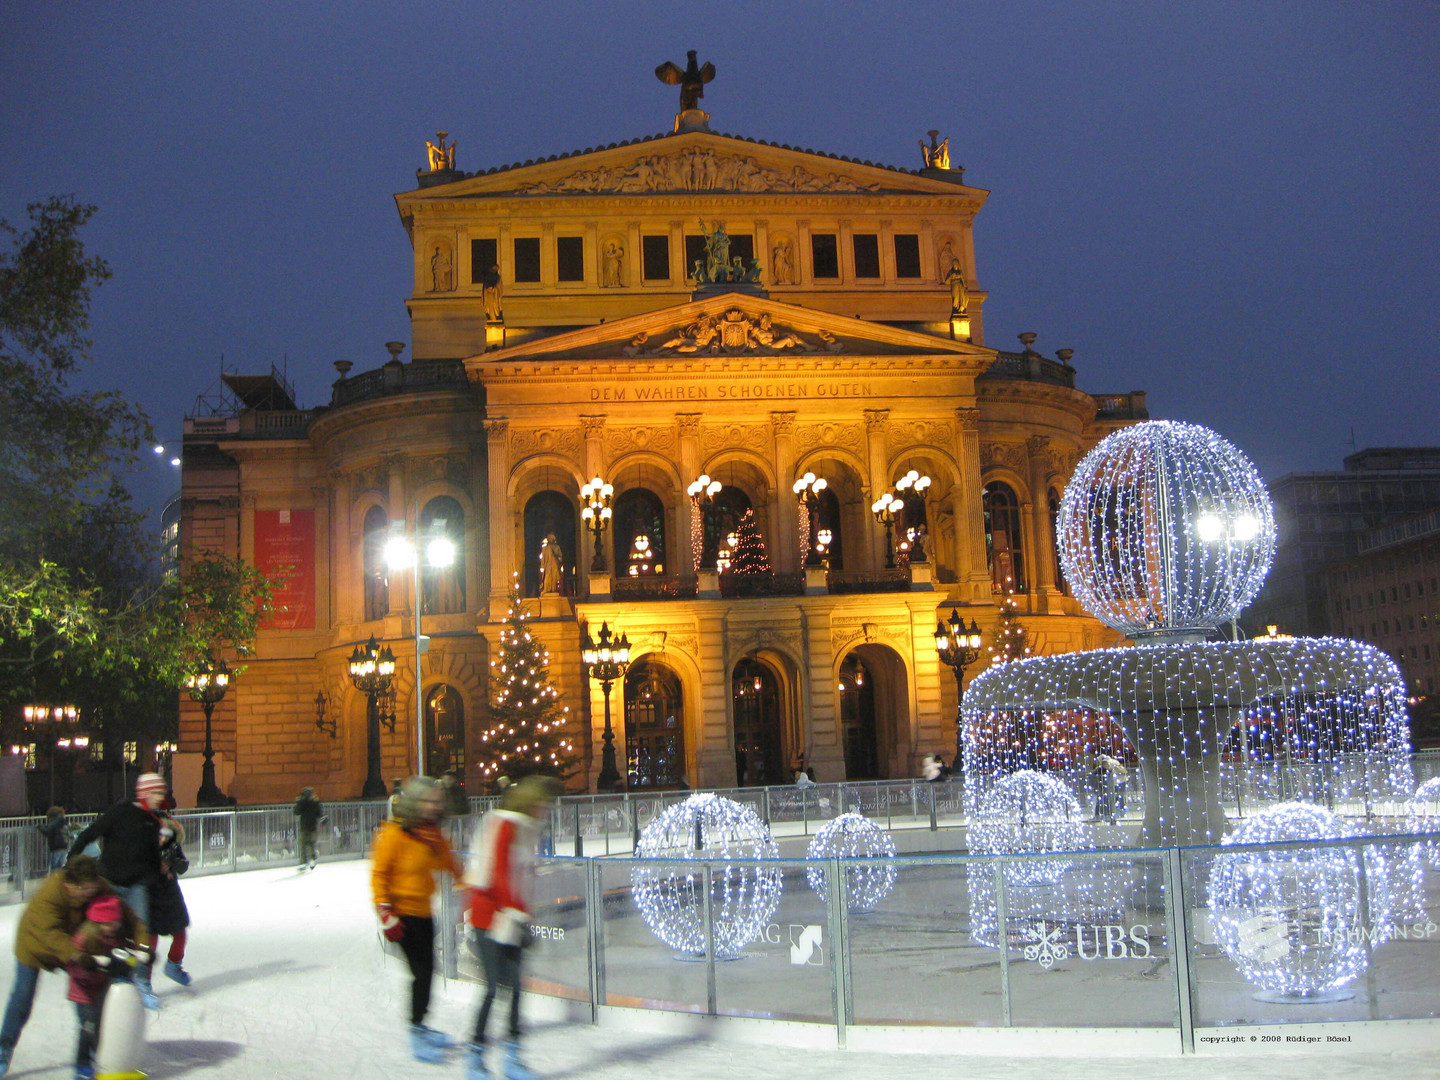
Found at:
<point>524,724</point>
<point>1009,640</point>
<point>749,556</point>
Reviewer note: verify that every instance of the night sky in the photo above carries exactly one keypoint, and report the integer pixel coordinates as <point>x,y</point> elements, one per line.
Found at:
<point>1234,206</point>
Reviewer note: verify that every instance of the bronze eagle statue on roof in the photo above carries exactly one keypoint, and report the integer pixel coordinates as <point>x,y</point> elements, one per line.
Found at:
<point>691,81</point>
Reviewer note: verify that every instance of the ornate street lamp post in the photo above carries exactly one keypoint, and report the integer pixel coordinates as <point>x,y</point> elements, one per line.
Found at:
<point>702,493</point>
<point>912,486</point>
<point>56,726</point>
<point>371,669</point>
<point>885,508</point>
<point>596,514</point>
<point>605,661</point>
<point>207,685</point>
<point>808,489</point>
<point>958,648</point>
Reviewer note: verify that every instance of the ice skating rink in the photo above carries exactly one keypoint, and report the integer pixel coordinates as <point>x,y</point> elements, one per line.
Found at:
<point>290,982</point>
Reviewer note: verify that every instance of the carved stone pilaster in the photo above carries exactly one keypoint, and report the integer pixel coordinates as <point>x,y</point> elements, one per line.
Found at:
<point>592,425</point>
<point>876,420</point>
<point>497,429</point>
<point>783,422</point>
<point>689,423</point>
<point>969,418</point>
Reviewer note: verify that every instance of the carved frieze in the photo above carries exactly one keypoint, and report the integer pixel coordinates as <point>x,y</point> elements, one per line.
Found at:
<point>846,436</point>
<point>619,441</point>
<point>715,437</point>
<point>922,433</point>
<point>564,441</point>
<point>1006,455</point>
<point>845,636</point>
<point>694,170</point>
<point>733,333</point>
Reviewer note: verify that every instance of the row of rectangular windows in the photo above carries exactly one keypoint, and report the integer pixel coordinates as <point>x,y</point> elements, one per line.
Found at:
<point>655,256</point>
<point>1394,594</point>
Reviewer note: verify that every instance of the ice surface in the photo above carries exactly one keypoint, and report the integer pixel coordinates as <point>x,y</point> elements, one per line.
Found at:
<point>290,982</point>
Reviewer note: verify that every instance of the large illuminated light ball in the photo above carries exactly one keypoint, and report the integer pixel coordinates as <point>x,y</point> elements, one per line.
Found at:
<point>670,891</point>
<point>854,836</point>
<point>1422,815</point>
<point>1029,812</point>
<point>1289,918</point>
<point>1165,527</point>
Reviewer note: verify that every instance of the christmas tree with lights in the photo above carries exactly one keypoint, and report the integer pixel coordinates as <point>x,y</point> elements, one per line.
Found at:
<point>1009,640</point>
<point>524,722</point>
<point>749,556</point>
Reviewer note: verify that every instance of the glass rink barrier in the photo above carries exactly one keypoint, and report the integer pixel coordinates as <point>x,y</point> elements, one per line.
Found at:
<point>1168,951</point>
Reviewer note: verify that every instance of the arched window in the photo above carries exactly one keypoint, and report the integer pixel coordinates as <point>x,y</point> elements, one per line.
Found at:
<point>1003,549</point>
<point>377,585</point>
<point>654,726</point>
<point>549,513</point>
<point>722,518</point>
<point>444,731</point>
<point>639,516</point>
<point>442,589</point>
<point>828,512</point>
<point>1055,540</point>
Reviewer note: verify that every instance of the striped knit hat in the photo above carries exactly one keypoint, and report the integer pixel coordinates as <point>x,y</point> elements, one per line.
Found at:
<point>149,781</point>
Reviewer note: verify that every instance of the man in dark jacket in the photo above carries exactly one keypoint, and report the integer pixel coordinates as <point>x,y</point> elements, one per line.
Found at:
<point>43,940</point>
<point>129,835</point>
<point>309,811</point>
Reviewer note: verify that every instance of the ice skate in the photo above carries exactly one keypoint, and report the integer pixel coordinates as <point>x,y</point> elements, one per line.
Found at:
<point>436,1038</point>
<point>147,993</point>
<point>515,1069</point>
<point>175,972</point>
<point>422,1049</point>
<point>475,1063</point>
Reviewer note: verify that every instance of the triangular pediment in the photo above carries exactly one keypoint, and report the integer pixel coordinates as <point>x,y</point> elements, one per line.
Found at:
<point>732,324</point>
<point>689,163</point>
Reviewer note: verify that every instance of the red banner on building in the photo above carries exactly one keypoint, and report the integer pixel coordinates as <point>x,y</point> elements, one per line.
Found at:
<point>285,552</point>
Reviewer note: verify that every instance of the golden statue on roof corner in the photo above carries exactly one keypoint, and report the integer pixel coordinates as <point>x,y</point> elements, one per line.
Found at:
<point>442,157</point>
<point>937,154</point>
<point>691,81</point>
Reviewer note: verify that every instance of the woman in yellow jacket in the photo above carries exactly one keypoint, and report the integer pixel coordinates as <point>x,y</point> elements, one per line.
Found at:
<point>407,853</point>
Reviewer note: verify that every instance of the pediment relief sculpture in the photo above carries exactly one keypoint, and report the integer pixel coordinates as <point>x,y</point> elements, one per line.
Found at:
<point>730,334</point>
<point>695,170</point>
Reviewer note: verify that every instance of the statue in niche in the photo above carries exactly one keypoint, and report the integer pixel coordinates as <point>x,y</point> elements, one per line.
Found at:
<point>611,266</point>
<point>552,572</point>
<point>717,253</point>
<point>959,291</point>
<point>493,293</point>
<point>442,157</point>
<point>691,81</point>
<point>782,262</point>
<point>937,154</point>
<point>946,257</point>
<point>442,270</point>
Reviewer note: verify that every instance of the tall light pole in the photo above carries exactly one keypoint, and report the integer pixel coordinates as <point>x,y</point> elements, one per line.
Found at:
<point>207,685</point>
<point>702,492</point>
<point>808,489</point>
<point>596,515</point>
<point>400,554</point>
<point>605,661</point>
<point>371,669</point>
<point>958,648</point>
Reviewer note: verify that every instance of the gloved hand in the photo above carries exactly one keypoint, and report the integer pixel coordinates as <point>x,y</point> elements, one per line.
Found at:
<point>509,926</point>
<point>102,961</point>
<point>390,924</point>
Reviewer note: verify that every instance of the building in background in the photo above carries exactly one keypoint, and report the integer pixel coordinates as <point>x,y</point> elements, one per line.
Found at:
<point>648,313</point>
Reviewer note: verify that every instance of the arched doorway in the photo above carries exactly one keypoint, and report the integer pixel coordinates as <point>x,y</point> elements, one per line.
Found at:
<point>654,726</point>
<point>857,720</point>
<point>444,731</point>
<point>549,513</point>
<point>759,742</point>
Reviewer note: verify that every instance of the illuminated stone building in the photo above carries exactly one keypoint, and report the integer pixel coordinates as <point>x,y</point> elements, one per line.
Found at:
<point>558,335</point>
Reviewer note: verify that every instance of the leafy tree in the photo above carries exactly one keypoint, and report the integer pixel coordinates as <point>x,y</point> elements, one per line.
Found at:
<point>749,557</point>
<point>524,722</point>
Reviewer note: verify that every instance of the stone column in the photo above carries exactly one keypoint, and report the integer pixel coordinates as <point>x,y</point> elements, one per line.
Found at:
<point>1042,563</point>
<point>787,535</point>
<point>682,557</point>
<point>974,572</point>
<point>502,525</point>
<point>594,429</point>
<point>878,476</point>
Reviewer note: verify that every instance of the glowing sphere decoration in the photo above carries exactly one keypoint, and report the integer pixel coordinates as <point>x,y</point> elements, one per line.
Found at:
<point>1290,918</point>
<point>854,836</point>
<point>1165,528</point>
<point>1422,815</point>
<point>744,892</point>
<point>1029,811</point>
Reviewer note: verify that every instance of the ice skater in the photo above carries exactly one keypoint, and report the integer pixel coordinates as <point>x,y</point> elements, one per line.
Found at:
<point>108,926</point>
<point>502,875</point>
<point>58,834</point>
<point>169,917</point>
<point>409,850</point>
<point>309,813</point>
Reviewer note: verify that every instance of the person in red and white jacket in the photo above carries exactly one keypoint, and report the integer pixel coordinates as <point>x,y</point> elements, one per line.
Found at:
<point>501,873</point>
